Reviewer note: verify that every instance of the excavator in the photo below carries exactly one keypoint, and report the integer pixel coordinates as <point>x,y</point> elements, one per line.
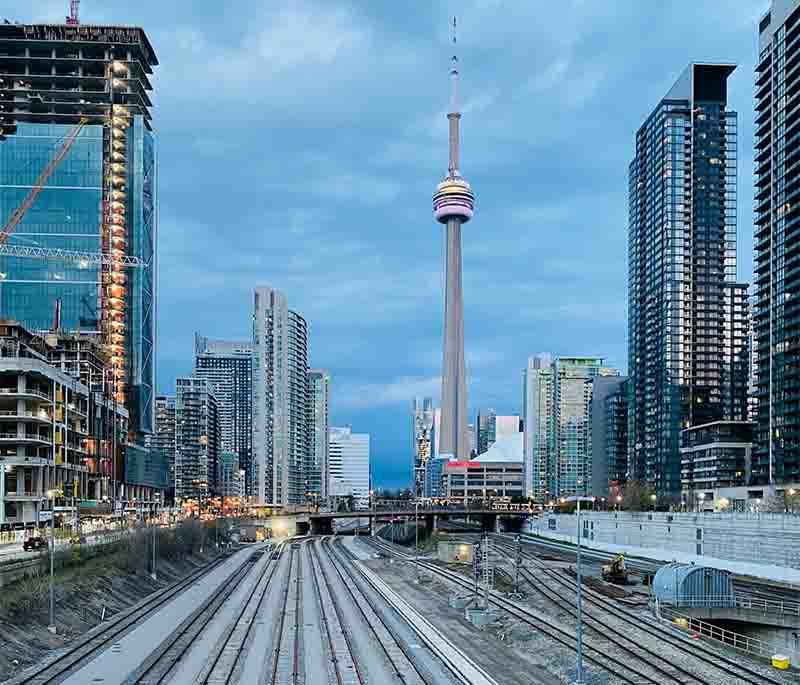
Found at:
<point>616,572</point>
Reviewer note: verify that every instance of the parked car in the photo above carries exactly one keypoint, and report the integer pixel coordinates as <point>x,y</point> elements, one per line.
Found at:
<point>34,542</point>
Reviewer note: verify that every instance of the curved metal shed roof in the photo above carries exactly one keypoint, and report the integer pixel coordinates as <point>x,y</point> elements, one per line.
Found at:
<point>689,585</point>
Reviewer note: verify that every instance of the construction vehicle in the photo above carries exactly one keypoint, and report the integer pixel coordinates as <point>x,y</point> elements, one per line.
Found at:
<point>616,572</point>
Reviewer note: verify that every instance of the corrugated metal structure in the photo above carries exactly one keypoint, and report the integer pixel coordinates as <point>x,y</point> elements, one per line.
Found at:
<point>686,585</point>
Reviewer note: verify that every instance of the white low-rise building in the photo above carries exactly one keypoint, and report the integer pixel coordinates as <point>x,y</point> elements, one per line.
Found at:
<point>348,466</point>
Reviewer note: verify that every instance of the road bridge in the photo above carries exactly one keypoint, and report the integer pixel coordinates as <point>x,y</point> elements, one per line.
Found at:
<point>490,519</point>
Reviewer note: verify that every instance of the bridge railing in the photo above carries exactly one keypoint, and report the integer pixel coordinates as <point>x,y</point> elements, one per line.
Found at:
<point>740,642</point>
<point>739,601</point>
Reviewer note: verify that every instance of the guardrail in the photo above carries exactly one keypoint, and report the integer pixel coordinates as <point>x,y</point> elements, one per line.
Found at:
<point>739,601</point>
<point>742,643</point>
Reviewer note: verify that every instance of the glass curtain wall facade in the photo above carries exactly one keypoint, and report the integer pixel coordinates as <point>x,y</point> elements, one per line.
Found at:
<point>776,449</point>
<point>197,439</point>
<point>228,367</point>
<point>572,394</point>
<point>163,440</point>
<point>66,214</point>
<point>319,388</point>
<point>687,324</point>
<point>75,104</point>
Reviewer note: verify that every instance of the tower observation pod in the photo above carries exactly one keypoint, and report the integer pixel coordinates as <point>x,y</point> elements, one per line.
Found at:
<point>453,205</point>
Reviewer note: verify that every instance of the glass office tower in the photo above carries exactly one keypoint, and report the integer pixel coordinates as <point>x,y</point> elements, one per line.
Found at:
<point>776,453</point>
<point>228,367</point>
<point>687,316</point>
<point>75,128</point>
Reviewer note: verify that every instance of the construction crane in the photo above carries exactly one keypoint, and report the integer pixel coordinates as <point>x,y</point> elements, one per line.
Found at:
<point>40,182</point>
<point>84,259</point>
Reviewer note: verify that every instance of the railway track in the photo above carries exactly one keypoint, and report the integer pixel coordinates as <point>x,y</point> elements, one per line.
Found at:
<point>611,664</point>
<point>85,650</point>
<point>346,646</point>
<point>161,664</point>
<point>225,663</point>
<point>336,644</point>
<point>405,664</point>
<point>391,649</point>
<point>623,637</point>
<point>284,655</point>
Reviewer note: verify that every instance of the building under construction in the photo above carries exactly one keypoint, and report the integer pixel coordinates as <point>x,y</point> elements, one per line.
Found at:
<point>77,194</point>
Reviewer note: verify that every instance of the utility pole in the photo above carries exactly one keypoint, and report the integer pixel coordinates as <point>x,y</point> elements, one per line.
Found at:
<point>579,590</point>
<point>517,561</point>
<point>416,537</point>
<point>487,569</point>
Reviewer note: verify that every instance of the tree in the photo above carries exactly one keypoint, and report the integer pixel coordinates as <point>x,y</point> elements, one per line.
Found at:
<point>772,503</point>
<point>637,496</point>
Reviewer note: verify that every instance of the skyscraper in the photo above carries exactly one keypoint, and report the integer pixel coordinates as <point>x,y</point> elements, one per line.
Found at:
<point>281,436</point>
<point>349,465</point>
<point>776,453</point>
<point>228,367</point>
<point>163,440</point>
<point>421,437</point>
<point>608,414</point>
<point>319,391</point>
<point>197,439</point>
<point>557,432</point>
<point>687,315</point>
<point>453,205</point>
<point>77,146</point>
<point>537,400</point>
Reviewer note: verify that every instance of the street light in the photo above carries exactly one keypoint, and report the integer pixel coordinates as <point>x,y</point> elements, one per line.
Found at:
<point>653,500</point>
<point>579,598</point>
<point>619,501</point>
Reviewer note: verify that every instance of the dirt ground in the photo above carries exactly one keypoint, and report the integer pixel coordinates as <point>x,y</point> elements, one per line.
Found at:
<point>81,595</point>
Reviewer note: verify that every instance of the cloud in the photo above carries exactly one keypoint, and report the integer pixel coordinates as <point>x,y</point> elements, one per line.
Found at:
<point>394,392</point>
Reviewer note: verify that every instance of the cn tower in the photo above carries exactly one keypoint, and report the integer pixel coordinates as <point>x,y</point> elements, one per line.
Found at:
<point>453,205</point>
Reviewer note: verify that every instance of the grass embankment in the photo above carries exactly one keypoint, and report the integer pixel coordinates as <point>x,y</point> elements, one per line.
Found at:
<point>92,568</point>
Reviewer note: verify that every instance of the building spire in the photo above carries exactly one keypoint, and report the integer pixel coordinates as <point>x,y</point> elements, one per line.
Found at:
<point>454,114</point>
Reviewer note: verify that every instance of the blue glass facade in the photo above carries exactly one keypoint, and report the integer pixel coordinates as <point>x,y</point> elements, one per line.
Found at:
<point>142,302</point>
<point>66,214</point>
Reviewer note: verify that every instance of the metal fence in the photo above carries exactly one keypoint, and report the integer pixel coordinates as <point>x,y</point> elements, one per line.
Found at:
<point>739,601</point>
<point>739,642</point>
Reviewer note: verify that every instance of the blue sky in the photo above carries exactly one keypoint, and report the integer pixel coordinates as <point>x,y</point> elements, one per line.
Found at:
<point>300,143</point>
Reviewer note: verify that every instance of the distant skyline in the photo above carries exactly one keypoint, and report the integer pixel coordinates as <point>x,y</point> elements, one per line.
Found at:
<point>299,142</point>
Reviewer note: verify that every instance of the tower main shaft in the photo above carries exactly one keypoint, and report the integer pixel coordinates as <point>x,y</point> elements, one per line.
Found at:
<point>453,205</point>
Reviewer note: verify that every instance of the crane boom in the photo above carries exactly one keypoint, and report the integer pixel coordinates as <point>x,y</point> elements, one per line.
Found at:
<point>40,182</point>
<point>87,258</point>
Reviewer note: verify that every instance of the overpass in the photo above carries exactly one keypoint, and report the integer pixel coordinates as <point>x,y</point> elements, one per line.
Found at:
<point>491,519</point>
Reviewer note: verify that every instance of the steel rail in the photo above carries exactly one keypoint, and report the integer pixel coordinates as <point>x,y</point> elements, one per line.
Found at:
<point>618,668</point>
<point>273,564</point>
<point>331,648</point>
<point>699,651</point>
<point>78,655</point>
<point>333,551</point>
<point>338,610</point>
<point>158,667</point>
<point>282,619</point>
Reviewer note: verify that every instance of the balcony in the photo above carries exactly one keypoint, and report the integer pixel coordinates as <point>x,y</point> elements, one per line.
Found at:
<point>25,437</point>
<point>12,415</point>
<point>29,392</point>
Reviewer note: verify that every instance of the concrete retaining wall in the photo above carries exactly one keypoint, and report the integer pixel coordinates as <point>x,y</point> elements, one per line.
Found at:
<point>741,542</point>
